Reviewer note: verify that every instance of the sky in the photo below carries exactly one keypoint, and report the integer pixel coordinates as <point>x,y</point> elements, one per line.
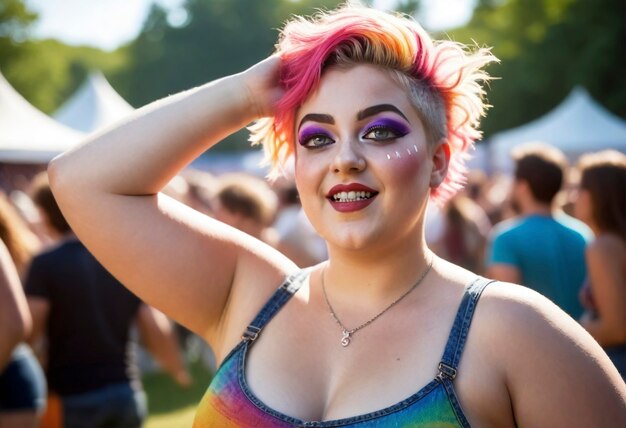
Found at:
<point>108,24</point>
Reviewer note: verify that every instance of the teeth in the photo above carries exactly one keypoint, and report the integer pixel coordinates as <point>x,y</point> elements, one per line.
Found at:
<point>351,196</point>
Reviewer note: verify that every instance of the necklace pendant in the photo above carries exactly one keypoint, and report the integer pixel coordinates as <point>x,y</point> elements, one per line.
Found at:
<point>345,340</point>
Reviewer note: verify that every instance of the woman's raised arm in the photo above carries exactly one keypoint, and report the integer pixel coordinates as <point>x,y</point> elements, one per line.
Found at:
<point>185,264</point>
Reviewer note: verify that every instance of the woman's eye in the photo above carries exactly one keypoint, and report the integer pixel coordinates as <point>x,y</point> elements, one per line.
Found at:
<point>315,141</point>
<point>382,134</point>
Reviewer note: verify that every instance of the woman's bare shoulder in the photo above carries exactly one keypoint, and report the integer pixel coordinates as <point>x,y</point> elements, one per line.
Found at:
<point>525,316</point>
<point>536,347</point>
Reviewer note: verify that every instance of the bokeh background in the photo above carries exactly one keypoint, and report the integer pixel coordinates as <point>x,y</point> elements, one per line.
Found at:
<point>148,49</point>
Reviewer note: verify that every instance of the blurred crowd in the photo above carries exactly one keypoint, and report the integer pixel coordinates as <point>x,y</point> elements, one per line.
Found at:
<point>68,328</point>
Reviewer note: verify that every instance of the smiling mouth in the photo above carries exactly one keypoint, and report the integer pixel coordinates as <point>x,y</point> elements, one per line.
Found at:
<point>352,196</point>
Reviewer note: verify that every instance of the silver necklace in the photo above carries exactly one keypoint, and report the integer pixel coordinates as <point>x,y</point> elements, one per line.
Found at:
<point>346,333</point>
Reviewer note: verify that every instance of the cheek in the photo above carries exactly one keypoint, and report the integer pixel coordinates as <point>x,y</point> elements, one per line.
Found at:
<point>306,173</point>
<point>403,164</point>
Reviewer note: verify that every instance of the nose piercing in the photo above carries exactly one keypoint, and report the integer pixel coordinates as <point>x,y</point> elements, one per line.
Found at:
<point>398,155</point>
<point>388,157</point>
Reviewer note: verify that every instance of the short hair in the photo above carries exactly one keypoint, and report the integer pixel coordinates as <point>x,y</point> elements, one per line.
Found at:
<point>603,175</point>
<point>42,196</point>
<point>542,167</point>
<point>441,77</point>
<point>248,196</point>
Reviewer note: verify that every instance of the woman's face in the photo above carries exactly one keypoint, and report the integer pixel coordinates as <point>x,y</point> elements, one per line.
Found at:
<point>363,167</point>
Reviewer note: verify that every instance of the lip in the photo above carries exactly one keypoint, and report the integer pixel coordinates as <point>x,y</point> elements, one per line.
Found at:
<point>346,207</point>
<point>355,187</point>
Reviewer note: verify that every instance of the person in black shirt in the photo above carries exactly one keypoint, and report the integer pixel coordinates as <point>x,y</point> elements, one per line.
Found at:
<point>86,316</point>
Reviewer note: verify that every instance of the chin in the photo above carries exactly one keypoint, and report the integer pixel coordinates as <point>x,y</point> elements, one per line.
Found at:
<point>353,240</point>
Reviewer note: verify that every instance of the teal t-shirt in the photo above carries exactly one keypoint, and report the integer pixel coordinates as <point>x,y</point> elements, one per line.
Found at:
<point>549,252</point>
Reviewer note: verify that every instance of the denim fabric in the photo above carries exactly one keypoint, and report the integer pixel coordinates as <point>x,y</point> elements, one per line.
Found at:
<point>434,404</point>
<point>22,383</point>
<point>114,406</point>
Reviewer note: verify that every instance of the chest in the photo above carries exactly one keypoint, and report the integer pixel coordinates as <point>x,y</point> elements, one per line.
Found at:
<point>299,367</point>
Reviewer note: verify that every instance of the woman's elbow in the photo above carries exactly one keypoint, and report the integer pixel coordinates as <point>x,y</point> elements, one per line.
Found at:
<point>55,173</point>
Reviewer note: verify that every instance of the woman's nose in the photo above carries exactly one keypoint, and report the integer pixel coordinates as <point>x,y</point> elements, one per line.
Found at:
<point>348,158</point>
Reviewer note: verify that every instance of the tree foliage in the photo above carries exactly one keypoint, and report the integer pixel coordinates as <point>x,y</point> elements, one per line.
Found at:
<point>546,48</point>
<point>219,38</point>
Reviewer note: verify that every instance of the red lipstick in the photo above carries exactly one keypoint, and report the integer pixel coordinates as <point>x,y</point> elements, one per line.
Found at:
<point>351,197</point>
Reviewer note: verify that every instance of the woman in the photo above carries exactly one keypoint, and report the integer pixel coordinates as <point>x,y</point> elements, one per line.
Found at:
<point>22,382</point>
<point>377,117</point>
<point>601,203</point>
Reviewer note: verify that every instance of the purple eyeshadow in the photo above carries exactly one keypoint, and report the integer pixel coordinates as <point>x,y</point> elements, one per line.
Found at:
<point>385,122</point>
<point>310,131</point>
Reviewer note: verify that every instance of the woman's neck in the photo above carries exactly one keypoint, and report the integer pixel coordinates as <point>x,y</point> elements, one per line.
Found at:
<point>375,275</point>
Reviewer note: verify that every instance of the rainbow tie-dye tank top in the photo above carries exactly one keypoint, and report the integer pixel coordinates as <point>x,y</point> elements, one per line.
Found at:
<point>229,402</point>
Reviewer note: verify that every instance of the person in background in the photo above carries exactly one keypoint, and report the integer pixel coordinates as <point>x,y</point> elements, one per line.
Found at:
<point>463,240</point>
<point>15,321</point>
<point>377,117</point>
<point>542,248</point>
<point>22,382</point>
<point>84,315</point>
<point>246,203</point>
<point>201,188</point>
<point>296,237</point>
<point>22,385</point>
<point>601,203</point>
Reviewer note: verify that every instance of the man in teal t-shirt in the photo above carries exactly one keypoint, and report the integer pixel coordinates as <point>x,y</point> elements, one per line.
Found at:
<point>543,249</point>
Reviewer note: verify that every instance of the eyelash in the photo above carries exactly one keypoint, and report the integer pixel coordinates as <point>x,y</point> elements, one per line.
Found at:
<point>396,133</point>
<point>306,142</point>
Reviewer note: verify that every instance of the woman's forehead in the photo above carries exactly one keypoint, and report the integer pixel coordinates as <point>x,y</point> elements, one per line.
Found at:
<point>351,90</point>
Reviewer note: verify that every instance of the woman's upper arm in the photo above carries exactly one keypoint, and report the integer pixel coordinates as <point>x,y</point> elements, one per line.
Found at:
<point>556,373</point>
<point>174,258</point>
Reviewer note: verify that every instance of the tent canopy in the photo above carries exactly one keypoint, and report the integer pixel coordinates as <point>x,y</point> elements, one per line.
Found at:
<point>94,105</point>
<point>26,134</point>
<point>578,125</point>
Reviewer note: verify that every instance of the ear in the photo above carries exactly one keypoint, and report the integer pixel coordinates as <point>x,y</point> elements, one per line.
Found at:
<point>441,160</point>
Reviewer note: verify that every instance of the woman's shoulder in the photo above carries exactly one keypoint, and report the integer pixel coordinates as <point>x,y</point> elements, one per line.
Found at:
<point>517,309</point>
<point>535,347</point>
<point>519,325</point>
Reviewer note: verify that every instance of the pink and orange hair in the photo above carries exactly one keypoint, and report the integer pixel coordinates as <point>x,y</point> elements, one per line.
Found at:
<point>442,78</point>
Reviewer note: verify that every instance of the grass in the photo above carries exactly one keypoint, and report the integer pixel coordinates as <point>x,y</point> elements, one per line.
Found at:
<point>170,406</point>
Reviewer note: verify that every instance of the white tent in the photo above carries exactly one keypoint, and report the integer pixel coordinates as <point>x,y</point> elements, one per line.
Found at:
<point>26,134</point>
<point>94,105</point>
<point>578,125</point>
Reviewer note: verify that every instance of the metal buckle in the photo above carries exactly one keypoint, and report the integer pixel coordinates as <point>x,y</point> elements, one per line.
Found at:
<point>447,371</point>
<point>251,333</point>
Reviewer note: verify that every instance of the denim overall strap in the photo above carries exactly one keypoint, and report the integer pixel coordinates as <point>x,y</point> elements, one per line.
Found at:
<point>274,304</point>
<point>458,334</point>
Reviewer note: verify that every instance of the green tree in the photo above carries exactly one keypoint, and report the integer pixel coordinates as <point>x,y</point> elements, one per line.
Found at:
<point>45,72</point>
<point>219,38</point>
<point>546,48</point>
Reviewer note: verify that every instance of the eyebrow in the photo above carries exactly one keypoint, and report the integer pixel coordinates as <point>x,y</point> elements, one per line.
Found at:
<point>371,111</point>
<point>316,117</point>
<point>363,114</point>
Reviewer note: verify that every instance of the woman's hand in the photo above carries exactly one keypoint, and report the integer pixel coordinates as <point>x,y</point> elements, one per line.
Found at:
<point>262,82</point>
